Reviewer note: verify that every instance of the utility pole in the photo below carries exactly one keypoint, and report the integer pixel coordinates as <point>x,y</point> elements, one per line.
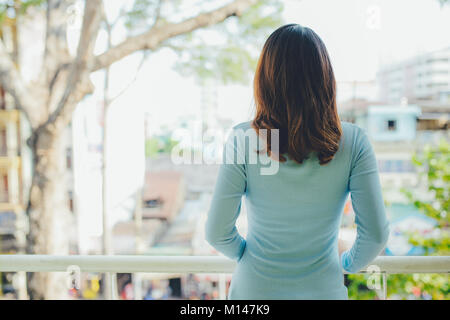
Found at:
<point>137,277</point>
<point>110,279</point>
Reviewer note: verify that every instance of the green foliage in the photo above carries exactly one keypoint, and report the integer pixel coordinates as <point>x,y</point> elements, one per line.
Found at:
<point>158,145</point>
<point>435,165</point>
<point>434,168</point>
<point>419,286</point>
<point>357,288</point>
<point>12,8</point>
<point>402,286</point>
<point>140,13</point>
<point>261,19</point>
<point>228,64</point>
<point>232,56</point>
<point>226,52</point>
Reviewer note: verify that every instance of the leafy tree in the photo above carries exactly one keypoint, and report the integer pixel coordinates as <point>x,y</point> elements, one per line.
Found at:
<point>434,166</point>
<point>158,145</point>
<point>64,80</point>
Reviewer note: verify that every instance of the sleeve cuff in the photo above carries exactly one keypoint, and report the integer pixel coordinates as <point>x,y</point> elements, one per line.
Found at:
<point>242,249</point>
<point>345,261</point>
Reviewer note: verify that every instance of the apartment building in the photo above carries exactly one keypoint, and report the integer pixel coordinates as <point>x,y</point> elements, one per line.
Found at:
<point>422,79</point>
<point>15,178</point>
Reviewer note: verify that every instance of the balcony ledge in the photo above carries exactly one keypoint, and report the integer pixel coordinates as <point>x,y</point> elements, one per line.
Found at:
<point>192,264</point>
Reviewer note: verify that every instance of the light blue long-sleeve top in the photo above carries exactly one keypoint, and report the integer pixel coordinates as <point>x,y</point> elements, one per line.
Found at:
<point>294,213</point>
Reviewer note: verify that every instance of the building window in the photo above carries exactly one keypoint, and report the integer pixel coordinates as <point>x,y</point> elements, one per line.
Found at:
<point>2,99</point>
<point>153,203</point>
<point>399,166</point>
<point>69,158</point>
<point>4,193</point>
<point>3,143</point>
<point>392,125</point>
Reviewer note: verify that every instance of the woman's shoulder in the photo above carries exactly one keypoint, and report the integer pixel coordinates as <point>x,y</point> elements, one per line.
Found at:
<point>352,132</point>
<point>356,138</point>
<point>243,130</point>
<point>349,126</point>
<point>243,125</point>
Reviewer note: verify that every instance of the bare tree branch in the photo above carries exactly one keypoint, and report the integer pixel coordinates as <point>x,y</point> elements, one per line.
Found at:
<point>56,47</point>
<point>158,34</point>
<point>124,89</point>
<point>12,82</point>
<point>111,25</point>
<point>109,28</point>
<point>78,83</point>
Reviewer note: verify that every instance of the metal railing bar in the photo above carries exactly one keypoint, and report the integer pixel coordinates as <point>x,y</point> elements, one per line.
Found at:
<point>190,264</point>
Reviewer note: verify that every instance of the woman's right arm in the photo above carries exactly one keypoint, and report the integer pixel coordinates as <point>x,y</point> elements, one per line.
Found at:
<point>368,205</point>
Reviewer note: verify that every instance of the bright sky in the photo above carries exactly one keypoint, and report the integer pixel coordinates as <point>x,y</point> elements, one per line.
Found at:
<point>359,34</point>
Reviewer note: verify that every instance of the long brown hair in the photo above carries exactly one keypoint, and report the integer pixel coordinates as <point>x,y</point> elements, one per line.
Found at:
<point>295,92</point>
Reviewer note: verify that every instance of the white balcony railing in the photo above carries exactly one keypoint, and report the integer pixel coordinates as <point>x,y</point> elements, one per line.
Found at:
<point>383,265</point>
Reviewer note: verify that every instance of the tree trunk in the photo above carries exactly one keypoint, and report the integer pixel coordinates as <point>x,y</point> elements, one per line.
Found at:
<point>48,212</point>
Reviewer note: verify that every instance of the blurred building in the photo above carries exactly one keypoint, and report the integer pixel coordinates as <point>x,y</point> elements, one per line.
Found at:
<point>423,79</point>
<point>15,178</point>
<point>354,91</point>
<point>163,195</point>
<point>154,222</point>
<point>10,173</point>
<point>393,133</point>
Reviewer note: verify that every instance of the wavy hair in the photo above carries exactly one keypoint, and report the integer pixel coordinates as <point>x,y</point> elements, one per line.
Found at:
<point>295,92</point>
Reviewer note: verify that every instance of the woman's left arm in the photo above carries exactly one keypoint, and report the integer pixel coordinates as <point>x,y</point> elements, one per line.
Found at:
<point>220,228</point>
